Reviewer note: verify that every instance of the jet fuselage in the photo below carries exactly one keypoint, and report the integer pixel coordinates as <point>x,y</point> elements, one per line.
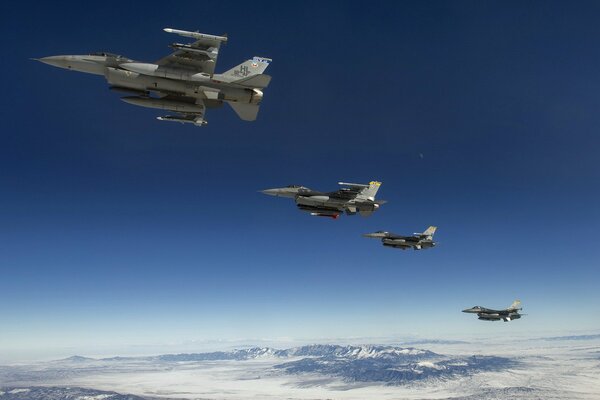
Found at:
<point>358,198</point>
<point>119,76</point>
<point>486,314</point>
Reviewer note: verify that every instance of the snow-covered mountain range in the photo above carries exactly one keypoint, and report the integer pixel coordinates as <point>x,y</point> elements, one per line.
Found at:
<point>62,393</point>
<point>506,370</point>
<point>315,350</point>
<point>366,363</point>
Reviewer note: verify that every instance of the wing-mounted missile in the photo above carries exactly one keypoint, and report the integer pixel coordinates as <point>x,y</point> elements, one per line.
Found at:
<point>198,121</point>
<point>197,35</point>
<point>377,235</point>
<point>357,185</point>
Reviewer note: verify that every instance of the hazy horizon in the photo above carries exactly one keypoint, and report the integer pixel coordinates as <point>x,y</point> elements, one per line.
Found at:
<point>10,356</point>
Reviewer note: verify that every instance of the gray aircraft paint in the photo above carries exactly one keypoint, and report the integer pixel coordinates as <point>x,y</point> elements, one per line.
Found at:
<point>183,82</point>
<point>351,199</point>
<point>488,314</point>
<point>417,241</point>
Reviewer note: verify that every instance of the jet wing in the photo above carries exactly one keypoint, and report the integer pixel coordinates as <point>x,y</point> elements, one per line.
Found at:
<point>391,235</point>
<point>345,193</point>
<point>490,311</point>
<point>349,192</point>
<point>402,246</point>
<point>199,56</point>
<point>407,239</point>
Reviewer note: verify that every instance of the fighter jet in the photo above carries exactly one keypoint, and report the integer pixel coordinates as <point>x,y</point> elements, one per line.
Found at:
<point>505,315</point>
<point>353,198</point>
<point>417,242</point>
<point>183,82</point>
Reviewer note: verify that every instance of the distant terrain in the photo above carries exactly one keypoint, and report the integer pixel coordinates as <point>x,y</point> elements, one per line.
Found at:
<point>526,369</point>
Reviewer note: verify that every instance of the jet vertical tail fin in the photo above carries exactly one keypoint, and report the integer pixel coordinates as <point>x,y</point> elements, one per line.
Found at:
<point>370,191</point>
<point>516,305</point>
<point>362,191</point>
<point>248,68</point>
<point>430,231</point>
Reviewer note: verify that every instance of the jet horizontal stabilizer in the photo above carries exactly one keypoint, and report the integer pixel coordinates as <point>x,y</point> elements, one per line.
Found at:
<point>246,112</point>
<point>260,81</point>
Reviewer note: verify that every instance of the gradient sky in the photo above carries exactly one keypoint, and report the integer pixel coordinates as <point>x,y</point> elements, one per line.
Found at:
<point>478,117</point>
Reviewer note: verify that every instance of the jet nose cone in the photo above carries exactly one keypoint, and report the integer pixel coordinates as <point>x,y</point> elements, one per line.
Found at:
<point>270,192</point>
<point>55,61</point>
<point>377,235</point>
<point>88,64</point>
<point>470,310</point>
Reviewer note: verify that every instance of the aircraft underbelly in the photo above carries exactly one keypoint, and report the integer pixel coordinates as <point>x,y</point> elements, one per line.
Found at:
<point>394,241</point>
<point>317,201</point>
<point>207,90</point>
<point>489,317</point>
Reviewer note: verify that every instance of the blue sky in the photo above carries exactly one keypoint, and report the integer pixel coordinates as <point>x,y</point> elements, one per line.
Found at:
<point>116,229</point>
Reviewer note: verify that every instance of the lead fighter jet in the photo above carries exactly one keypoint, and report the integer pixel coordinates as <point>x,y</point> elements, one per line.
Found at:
<point>183,82</point>
<point>417,242</point>
<point>505,315</point>
<point>352,199</point>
